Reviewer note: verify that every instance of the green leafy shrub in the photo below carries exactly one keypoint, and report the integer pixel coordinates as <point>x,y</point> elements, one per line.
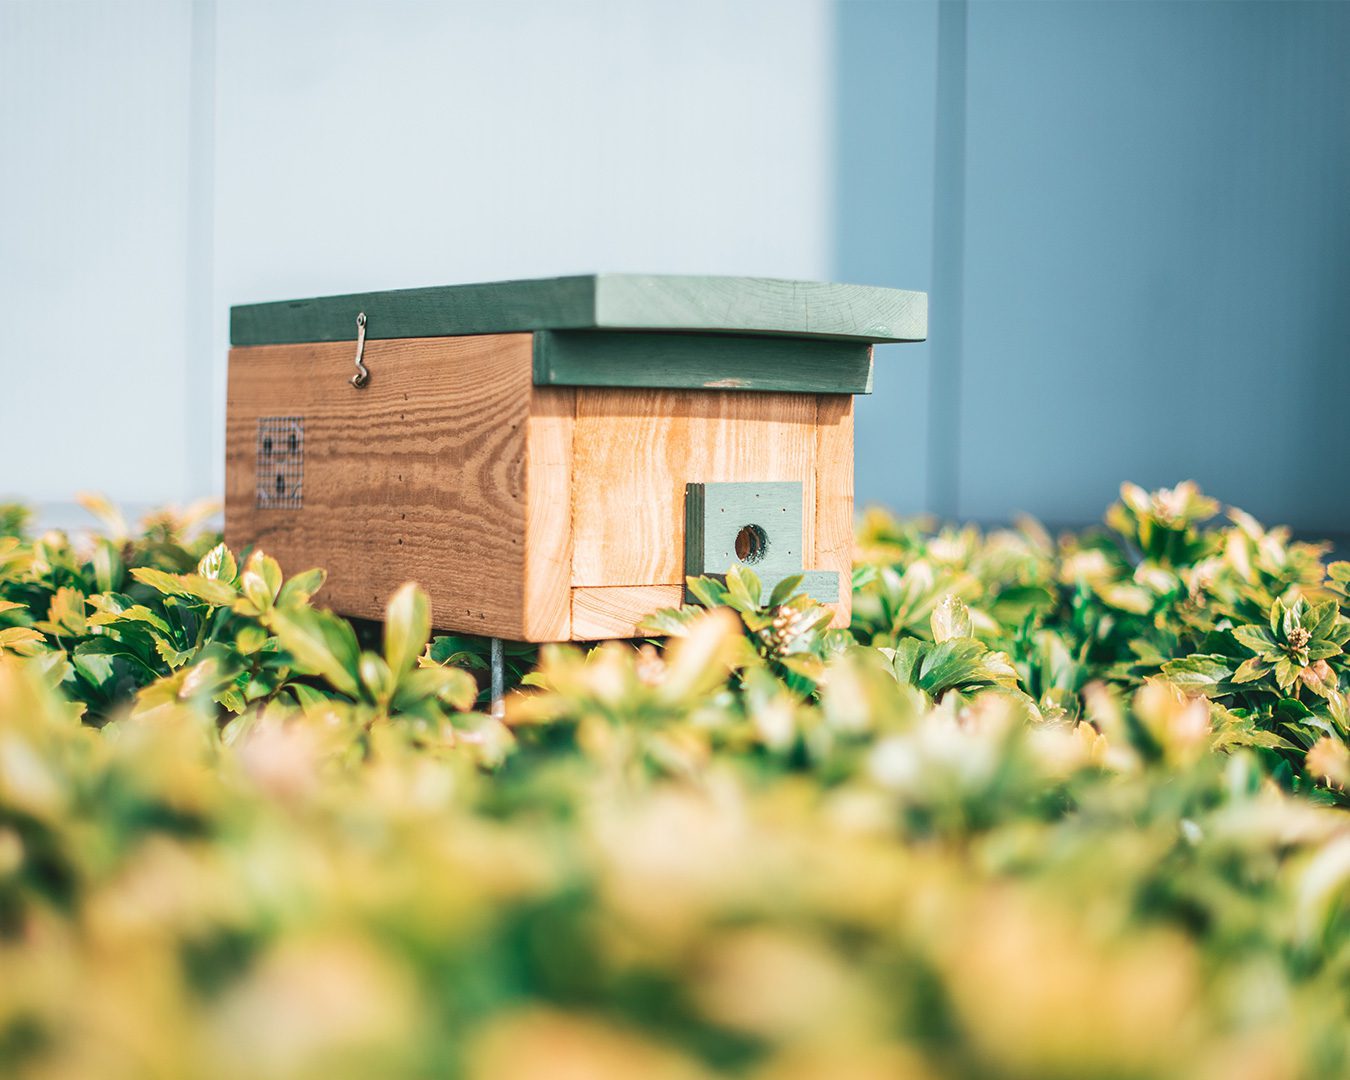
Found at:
<point>1065,807</point>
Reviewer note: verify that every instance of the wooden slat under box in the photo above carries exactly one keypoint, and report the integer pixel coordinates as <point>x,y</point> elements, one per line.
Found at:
<point>616,611</point>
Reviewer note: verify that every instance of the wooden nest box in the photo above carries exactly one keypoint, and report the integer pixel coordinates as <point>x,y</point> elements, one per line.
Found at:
<point>550,459</point>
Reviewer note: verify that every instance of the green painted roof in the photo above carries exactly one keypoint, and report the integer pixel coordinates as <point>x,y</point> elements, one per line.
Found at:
<point>736,305</point>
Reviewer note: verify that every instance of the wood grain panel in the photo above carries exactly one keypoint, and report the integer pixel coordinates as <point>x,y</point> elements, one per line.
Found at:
<point>420,476</point>
<point>634,451</point>
<point>548,514</point>
<point>614,612</point>
<point>834,496</point>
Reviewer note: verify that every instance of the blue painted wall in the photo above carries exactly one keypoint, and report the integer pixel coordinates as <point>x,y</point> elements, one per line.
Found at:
<point>1135,226</point>
<point>886,65</point>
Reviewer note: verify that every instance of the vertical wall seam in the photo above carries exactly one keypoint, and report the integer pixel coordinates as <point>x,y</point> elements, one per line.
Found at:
<point>199,277</point>
<point>947,311</point>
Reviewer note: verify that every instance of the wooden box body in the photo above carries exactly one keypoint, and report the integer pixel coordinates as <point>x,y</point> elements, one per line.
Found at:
<point>528,510</point>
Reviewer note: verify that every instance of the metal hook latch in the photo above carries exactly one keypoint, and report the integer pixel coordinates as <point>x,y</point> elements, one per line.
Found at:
<point>362,375</point>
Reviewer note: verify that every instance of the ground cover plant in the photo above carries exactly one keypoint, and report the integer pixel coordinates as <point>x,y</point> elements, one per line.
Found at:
<point>1052,807</point>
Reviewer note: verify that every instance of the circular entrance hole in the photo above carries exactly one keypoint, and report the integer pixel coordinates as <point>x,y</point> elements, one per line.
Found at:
<point>752,543</point>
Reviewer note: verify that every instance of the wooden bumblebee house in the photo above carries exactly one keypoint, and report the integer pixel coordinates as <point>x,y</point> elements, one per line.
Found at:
<point>550,459</point>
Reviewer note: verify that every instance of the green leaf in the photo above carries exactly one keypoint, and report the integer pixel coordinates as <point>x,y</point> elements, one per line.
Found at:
<point>301,588</point>
<point>951,619</point>
<point>669,622</point>
<point>307,697</point>
<point>218,564</point>
<point>97,659</point>
<point>407,627</point>
<point>321,644</point>
<point>1286,673</point>
<point>1319,617</point>
<point>1269,740</point>
<point>1256,638</point>
<point>250,639</point>
<point>1293,617</point>
<point>707,591</point>
<point>450,685</point>
<point>109,569</point>
<point>1323,650</point>
<point>1320,679</point>
<point>1014,604</point>
<point>376,677</point>
<point>863,576</point>
<point>20,639</point>
<point>949,664</point>
<point>194,586</point>
<point>459,651</point>
<point>1126,597</point>
<point>907,659</point>
<point>137,613</point>
<point>1203,673</point>
<point>743,589</point>
<point>785,589</point>
<point>261,580</point>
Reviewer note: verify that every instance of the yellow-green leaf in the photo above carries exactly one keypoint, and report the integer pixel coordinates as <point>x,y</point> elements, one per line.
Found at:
<point>951,619</point>
<point>218,564</point>
<point>321,643</point>
<point>407,627</point>
<point>261,580</point>
<point>215,593</point>
<point>299,589</point>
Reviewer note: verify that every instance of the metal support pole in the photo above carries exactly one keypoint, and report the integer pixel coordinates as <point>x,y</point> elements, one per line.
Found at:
<point>498,662</point>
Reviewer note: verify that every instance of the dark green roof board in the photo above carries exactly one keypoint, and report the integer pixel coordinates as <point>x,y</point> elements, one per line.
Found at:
<point>701,361</point>
<point>728,305</point>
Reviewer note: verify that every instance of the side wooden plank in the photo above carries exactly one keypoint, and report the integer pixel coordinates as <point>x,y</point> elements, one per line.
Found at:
<point>420,476</point>
<point>615,611</point>
<point>548,514</point>
<point>834,496</point>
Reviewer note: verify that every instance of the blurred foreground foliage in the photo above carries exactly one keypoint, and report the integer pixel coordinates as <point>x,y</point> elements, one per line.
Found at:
<point>1052,808</point>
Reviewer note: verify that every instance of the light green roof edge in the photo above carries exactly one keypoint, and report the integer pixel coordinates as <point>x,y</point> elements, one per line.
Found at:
<point>737,305</point>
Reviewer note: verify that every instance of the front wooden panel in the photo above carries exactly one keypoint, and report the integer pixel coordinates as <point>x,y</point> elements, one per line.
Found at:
<point>634,451</point>
<point>421,475</point>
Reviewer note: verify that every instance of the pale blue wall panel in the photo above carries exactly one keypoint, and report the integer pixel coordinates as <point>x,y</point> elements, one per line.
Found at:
<point>95,250</point>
